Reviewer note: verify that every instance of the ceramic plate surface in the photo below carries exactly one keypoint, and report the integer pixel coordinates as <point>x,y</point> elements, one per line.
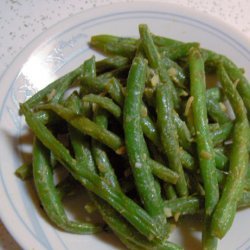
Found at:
<point>56,52</point>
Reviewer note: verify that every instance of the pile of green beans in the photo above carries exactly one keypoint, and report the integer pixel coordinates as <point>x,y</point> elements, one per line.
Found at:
<point>147,138</point>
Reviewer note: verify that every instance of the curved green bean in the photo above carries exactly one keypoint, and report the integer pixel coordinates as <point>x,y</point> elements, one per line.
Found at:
<point>224,213</point>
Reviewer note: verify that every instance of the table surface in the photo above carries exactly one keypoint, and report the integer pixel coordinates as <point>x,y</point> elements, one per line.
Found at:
<point>22,21</point>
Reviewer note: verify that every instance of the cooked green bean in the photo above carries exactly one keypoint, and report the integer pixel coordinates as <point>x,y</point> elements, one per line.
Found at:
<point>108,44</point>
<point>169,137</point>
<point>243,85</point>
<point>155,60</point>
<point>86,126</point>
<point>170,192</point>
<point>222,134</point>
<point>129,209</point>
<point>24,171</point>
<point>101,159</point>
<point>135,143</point>
<point>49,197</point>
<point>225,210</point>
<point>177,52</point>
<point>105,103</point>
<point>213,93</point>
<point>203,138</point>
<point>110,63</point>
<point>65,80</point>
<point>216,113</point>
<point>175,72</point>
<point>162,172</point>
<point>220,158</point>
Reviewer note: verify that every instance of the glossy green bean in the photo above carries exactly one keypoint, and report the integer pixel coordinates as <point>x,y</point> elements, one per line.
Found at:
<point>86,126</point>
<point>113,45</point>
<point>103,164</point>
<point>222,134</point>
<point>203,138</point>
<point>225,210</point>
<point>162,172</point>
<point>121,203</point>
<point>135,144</point>
<point>105,103</point>
<point>216,113</point>
<point>110,63</point>
<point>49,197</point>
<point>155,60</point>
<point>235,73</point>
<point>24,172</point>
<point>169,137</point>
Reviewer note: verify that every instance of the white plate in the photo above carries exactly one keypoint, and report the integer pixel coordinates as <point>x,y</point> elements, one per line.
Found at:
<point>57,51</point>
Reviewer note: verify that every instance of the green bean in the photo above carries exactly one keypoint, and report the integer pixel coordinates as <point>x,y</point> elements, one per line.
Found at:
<point>127,234</point>
<point>221,159</point>
<point>110,85</point>
<point>108,44</point>
<point>65,80</point>
<point>105,103</point>
<point>43,179</point>
<point>86,126</point>
<point>162,172</point>
<point>183,205</point>
<point>222,134</point>
<point>177,52</point>
<point>216,113</point>
<point>195,204</point>
<point>244,200</point>
<point>236,75</point>
<point>130,210</point>
<point>101,159</point>
<point>149,129</point>
<point>209,241</point>
<point>165,41</point>
<point>135,144</point>
<point>169,137</point>
<point>169,192</point>
<point>175,72</point>
<point>110,63</point>
<point>187,160</point>
<point>225,210</point>
<point>184,134</point>
<point>47,117</point>
<point>213,93</point>
<point>203,138</point>
<point>24,172</point>
<point>155,60</point>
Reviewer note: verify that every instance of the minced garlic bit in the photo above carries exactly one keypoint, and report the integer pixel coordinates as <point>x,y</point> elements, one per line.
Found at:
<point>176,216</point>
<point>223,107</point>
<point>51,95</point>
<point>183,93</point>
<point>144,111</point>
<point>172,72</point>
<point>121,150</point>
<point>188,105</point>
<point>90,208</point>
<point>205,155</point>
<point>167,212</point>
<point>155,80</point>
<point>236,82</point>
